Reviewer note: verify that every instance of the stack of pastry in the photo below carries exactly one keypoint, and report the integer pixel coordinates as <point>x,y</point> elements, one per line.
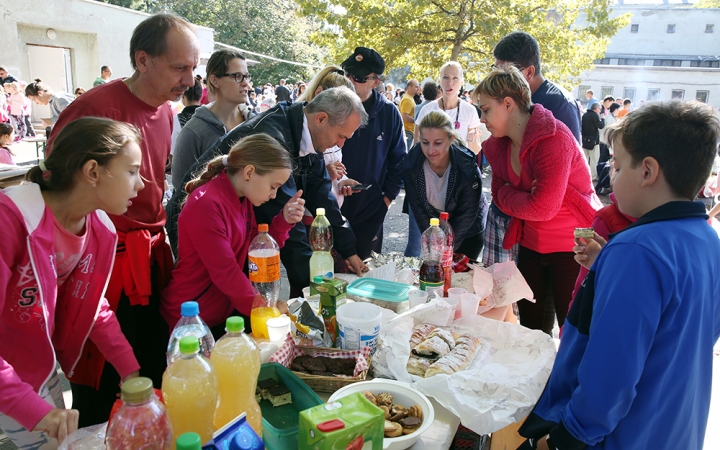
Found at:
<point>437,350</point>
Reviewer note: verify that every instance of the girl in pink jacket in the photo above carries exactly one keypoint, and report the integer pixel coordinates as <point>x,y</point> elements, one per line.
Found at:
<point>55,262</point>
<point>217,224</point>
<point>541,179</point>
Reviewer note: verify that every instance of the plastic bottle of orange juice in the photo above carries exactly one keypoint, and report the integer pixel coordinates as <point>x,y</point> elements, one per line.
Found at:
<point>236,360</point>
<point>190,391</point>
<point>264,271</point>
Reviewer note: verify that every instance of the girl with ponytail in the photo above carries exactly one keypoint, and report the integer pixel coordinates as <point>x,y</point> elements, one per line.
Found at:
<point>55,261</point>
<point>217,224</point>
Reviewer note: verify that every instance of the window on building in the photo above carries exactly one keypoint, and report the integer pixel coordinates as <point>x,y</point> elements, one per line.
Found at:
<point>653,94</point>
<point>702,96</point>
<point>671,28</point>
<point>629,92</point>
<point>699,63</point>
<point>631,62</point>
<point>607,90</point>
<point>667,62</point>
<point>677,94</point>
<point>709,28</point>
<point>581,93</point>
<point>634,28</point>
<point>604,61</point>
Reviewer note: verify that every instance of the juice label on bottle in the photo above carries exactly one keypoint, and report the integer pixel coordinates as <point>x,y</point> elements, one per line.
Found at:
<point>431,288</point>
<point>264,269</point>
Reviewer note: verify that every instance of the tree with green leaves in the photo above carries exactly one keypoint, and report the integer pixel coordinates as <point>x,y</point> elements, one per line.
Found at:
<point>425,34</point>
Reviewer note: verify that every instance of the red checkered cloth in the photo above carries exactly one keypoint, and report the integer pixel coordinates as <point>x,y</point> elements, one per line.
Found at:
<point>289,351</point>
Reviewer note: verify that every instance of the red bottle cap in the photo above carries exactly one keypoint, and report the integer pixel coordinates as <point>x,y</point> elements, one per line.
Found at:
<point>444,216</point>
<point>331,425</point>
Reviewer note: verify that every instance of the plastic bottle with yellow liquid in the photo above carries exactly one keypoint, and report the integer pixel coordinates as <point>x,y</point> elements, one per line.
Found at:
<point>236,360</point>
<point>264,271</point>
<point>190,392</point>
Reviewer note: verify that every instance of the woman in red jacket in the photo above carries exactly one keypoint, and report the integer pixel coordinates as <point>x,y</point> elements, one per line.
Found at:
<point>217,224</point>
<point>540,179</point>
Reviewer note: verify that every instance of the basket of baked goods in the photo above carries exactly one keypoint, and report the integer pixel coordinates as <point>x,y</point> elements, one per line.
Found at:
<point>324,369</point>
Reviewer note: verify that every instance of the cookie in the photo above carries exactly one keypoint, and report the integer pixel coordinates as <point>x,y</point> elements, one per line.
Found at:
<point>392,429</point>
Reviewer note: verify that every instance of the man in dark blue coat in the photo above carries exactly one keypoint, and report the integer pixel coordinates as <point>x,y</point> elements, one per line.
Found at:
<point>373,154</point>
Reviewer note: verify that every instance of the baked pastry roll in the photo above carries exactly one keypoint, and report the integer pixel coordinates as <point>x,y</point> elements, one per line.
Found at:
<point>445,335</point>
<point>458,359</point>
<point>420,334</point>
<point>418,366</point>
<point>433,347</point>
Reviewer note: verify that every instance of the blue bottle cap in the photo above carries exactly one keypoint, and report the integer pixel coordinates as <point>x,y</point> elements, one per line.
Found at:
<point>245,439</point>
<point>189,309</point>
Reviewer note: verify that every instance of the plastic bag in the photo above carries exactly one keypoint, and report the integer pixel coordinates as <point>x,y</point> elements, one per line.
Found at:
<point>89,438</point>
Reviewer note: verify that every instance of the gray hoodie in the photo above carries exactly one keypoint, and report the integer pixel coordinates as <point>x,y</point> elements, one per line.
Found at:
<point>199,134</point>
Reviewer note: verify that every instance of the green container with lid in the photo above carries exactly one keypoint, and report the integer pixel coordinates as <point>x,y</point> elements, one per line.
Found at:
<point>386,294</point>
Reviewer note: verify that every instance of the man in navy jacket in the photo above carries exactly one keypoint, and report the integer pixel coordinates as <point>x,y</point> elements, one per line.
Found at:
<point>373,154</point>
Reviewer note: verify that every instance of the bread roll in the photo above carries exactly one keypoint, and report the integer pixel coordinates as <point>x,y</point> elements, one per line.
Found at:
<point>458,359</point>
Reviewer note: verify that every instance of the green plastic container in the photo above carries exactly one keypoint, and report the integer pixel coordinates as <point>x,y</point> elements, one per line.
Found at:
<point>280,423</point>
<point>386,294</point>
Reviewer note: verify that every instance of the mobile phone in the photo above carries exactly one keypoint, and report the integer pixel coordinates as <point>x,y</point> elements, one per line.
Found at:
<point>361,187</point>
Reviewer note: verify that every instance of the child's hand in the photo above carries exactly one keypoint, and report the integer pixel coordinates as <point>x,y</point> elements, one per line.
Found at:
<point>58,423</point>
<point>586,252</point>
<point>294,208</point>
<point>131,376</point>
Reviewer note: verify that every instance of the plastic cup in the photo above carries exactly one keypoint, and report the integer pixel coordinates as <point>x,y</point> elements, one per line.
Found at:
<point>469,305</point>
<point>306,292</point>
<point>456,292</point>
<point>417,297</point>
<point>278,328</point>
<point>455,303</point>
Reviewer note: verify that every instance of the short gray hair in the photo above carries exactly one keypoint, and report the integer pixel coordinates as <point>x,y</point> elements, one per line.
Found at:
<point>338,103</point>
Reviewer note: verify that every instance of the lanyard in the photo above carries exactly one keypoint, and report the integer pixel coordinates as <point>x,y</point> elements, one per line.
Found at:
<point>457,115</point>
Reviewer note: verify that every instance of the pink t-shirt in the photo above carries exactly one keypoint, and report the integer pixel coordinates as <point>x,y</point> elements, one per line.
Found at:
<point>5,156</point>
<point>68,250</point>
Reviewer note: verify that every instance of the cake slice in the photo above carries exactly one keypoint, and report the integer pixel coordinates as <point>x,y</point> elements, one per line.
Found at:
<point>279,395</point>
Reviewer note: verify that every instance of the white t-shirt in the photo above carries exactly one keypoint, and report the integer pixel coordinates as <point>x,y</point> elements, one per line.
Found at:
<point>468,116</point>
<point>435,186</point>
<point>330,155</point>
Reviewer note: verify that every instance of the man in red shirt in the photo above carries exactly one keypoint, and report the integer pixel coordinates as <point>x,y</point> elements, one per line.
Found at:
<point>164,51</point>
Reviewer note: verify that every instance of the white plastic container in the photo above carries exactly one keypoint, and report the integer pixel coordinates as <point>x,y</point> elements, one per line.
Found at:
<point>359,325</point>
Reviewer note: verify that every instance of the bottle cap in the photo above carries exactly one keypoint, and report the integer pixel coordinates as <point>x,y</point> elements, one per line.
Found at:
<point>434,222</point>
<point>263,228</point>
<point>136,390</point>
<point>444,216</point>
<point>189,344</point>
<point>317,279</point>
<point>320,212</point>
<point>244,439</point>
<point>234,324</point>
<point>188,441</point>
<point>189,309</point>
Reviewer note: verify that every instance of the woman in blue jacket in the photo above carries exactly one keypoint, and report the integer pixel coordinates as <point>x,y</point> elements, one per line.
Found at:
<point>441,174</point>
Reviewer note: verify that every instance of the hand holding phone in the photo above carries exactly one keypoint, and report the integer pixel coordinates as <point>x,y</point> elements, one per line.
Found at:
<point>360,187</point>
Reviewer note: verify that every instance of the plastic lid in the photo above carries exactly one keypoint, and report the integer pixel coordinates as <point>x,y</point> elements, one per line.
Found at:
<point>189,344</point>
<point>444,216</point>
<point>263,228</point>
<point>136,390</point>
<point>189,309</point>
<point>235,324</point>
<point>388,291</point>
<point>244,439</point>
<point>188,441</point>
<point>317,279</point>
<point>434,222</point>
<point>320,212</point>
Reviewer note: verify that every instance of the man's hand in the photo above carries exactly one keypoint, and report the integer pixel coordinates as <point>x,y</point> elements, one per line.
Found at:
<point>345,187</point>
<point>58,423</point>
<point>357,265</point>
<point>294,208</point>
<point>586,252</point>
<point>387,202</point>
<point>336,170</point>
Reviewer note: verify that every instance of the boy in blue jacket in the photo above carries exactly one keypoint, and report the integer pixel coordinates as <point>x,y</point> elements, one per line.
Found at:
<point>634,368</point>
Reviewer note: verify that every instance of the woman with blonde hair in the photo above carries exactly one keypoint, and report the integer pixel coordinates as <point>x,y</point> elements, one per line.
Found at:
<point>441,174</point>
<point>542,181</point>
<point>329,77</point>
<point>217,224</point>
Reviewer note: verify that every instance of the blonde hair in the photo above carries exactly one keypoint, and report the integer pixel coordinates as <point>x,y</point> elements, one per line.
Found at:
<point>452,64</point>
<point>440,121</point>
<point>329,77</point>
<point>261,151</point>
<point>502,83</point>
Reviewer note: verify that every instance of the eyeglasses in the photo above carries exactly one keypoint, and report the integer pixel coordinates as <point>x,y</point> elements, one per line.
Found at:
<point>359,79</point>
<point>239,77</point>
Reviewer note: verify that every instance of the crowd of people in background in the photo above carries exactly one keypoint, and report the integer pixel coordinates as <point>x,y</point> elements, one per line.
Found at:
<point>238,154</point>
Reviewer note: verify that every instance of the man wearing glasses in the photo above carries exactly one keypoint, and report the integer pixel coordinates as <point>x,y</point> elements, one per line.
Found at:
<point>373,154</point>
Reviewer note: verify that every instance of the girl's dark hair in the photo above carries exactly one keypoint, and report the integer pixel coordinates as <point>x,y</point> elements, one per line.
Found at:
<point>35,88</point>
<point>261,151</point>
<point>82,140</point>
<point>6,129</point>
<point>218,64</point>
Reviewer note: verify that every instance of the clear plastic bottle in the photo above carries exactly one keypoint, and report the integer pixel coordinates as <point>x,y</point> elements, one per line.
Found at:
<point>264,264</point>
<point>236,360</point>
<point>321,242</point>
<point>449,249</point>
<point>190,324</point>
<point>141,421</point>
<point>432,251</point>
<point>188,441</point>
<point>190,392</point>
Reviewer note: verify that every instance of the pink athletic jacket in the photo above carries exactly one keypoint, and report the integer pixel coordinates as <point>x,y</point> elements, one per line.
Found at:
<point>550,157</point>
<point>215,229</point>
<point>40,321</point>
